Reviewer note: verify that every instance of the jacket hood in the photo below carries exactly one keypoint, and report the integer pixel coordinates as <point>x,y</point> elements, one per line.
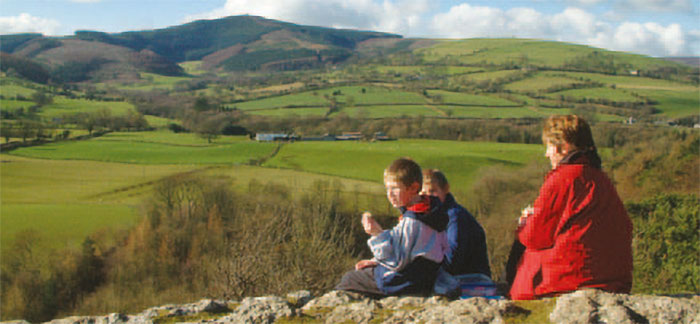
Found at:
<point>589,156</point>
<point>428,211</point>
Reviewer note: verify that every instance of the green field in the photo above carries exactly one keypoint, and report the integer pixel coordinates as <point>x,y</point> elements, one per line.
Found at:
<point>366,161</point>
<point>287,112</point>
<point>523,51</point>
<point>298,100</point>
<point>126,149</point>
<point>13,90</point>
<point>459,98</point>
<point>676,103</point>
<point>541,82</point>
<point>381,111</point>
<point>12,105</point>
<point>610,94</point>
<point>634,82</point>
<point>374,95</point>
<point>62,105</point>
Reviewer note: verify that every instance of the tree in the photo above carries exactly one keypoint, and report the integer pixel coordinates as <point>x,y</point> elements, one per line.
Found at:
<point>201,104</point>
<point>41,98</point>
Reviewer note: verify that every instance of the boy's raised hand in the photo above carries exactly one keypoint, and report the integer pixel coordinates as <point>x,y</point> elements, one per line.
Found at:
<point>370,225</point>
<point>365,264</point>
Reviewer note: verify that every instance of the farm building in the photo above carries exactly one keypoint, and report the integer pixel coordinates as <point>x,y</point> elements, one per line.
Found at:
<point>271,137</point>
<point>350,136</point>
<point>325,137</point>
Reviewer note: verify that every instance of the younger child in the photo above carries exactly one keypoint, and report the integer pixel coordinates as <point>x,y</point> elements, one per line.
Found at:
<point>466,238</point>
<point>407,257</point>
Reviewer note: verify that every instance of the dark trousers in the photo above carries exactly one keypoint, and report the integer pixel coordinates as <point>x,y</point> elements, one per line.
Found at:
<point>516,252</point>
<point>361,281</point>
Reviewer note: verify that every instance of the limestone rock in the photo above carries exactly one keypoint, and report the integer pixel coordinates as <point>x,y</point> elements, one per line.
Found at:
<point>596,306</point>
<point>355,312</point>
<point>259,310</point>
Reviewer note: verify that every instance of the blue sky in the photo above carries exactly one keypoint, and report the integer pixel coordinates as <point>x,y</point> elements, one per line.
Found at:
<point>650,27</point>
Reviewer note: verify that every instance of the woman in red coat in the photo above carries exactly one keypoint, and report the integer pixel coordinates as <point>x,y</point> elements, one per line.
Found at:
<point>578,233</point>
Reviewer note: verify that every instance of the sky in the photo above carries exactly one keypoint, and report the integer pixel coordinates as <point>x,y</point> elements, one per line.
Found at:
<point>656,28</point>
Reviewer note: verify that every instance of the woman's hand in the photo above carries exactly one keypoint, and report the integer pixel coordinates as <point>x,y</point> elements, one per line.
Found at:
<point>370,225</point>
<point>526,212</point>
<point>365,264</point>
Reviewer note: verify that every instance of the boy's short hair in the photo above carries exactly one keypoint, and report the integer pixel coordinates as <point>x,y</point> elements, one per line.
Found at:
<point>405,171</point>
<point>435,177</point>
<point>570,129</point>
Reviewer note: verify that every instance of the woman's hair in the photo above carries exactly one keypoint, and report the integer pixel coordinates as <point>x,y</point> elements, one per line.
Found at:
<point>571,129</point>
<point>435,177</point>
<point>405,171</point>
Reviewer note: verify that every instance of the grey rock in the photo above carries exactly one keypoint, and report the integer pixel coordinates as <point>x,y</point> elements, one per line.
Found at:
<point>299,298</point>
<point>596,306</point>
<point>472,310</point>
<point>332,299</point>
<point>356,312</point>
<point>259,310</point>
<point>211,306</point>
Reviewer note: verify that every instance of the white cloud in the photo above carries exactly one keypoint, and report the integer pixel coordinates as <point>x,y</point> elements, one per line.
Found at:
<point>573,25</point>
<point>652,37</point>
<point>401,16</point>
<point>657,5</point>
<point>26,23</point>
<point>418,18</point>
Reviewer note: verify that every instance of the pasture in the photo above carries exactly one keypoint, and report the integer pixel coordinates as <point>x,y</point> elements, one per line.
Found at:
<point>131,148</point>
<point>541,82</point>
<point>460,161</point>
<point>459,98</point>
<point>62,105</point>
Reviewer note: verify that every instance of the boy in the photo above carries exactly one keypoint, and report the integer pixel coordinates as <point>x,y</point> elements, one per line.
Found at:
<point>466,253</point>
<point>408,256</point>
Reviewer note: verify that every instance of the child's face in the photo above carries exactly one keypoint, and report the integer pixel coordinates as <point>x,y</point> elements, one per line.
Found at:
<point>399,195</point>
<point>434,190</point>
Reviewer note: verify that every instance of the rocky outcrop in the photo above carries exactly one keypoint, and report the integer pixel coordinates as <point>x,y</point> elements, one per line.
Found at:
<point>585,306</point>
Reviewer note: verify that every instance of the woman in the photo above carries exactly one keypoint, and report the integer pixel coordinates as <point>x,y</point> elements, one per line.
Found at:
<point>577,234</point>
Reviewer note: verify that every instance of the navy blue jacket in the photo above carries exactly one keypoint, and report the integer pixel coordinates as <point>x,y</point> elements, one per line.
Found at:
<point>466,240</point>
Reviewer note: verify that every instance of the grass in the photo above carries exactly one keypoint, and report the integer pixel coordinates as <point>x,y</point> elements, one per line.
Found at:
<point>374,95</point>
<point>133,151</point>
<point>62,105</point>
<point>160,122</point>
<point>530,311</point>
<point>633,82</point>
<point>168,137</point>
<point>13,90</point>
<point>390,111</point>
<point>366,161</point>
<point>286,112</point>
<point>12,105</point>
<point>67,200</point>
<point>298,100</point>
<point>540,82</point>
<point>39,181</point>
<point>496,112</point>
<point>524,51</point>
<point>485,76</point>
<point>676,103</point>
<point>62,225</point>
<point>616,95</point>
<point>192,67</point>
<point>471,99</point>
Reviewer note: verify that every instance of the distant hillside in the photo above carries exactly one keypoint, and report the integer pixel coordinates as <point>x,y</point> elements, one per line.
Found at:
<point>232,43</point>
<point>250,43</point>
<point>693,61</point>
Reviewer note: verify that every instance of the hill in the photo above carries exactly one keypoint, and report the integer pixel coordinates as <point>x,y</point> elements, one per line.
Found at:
<point>232,43</point>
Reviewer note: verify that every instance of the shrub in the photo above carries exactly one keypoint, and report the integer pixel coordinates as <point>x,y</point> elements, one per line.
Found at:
<point>666,244</point>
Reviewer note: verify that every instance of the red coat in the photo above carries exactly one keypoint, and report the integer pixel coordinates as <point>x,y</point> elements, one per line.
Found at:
<point>579,236</point>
